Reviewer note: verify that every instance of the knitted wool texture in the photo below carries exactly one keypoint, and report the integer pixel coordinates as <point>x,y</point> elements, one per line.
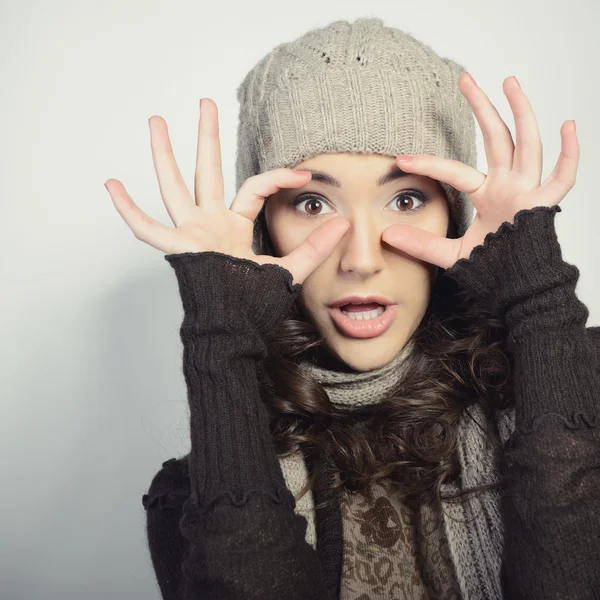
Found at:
<point>354,87</point>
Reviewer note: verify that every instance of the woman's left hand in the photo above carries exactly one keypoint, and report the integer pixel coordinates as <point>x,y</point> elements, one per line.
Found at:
<point>512,183</point>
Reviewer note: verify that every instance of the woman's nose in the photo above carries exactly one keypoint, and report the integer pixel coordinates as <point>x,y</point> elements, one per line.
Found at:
<point>361,249</point>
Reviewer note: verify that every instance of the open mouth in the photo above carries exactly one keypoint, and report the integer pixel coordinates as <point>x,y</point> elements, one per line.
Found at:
<point>363,312</point>
<point>363,320</point>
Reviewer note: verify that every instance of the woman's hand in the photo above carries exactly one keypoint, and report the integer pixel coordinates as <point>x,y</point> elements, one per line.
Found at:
<point>512,183</point>
<point>207,224</point>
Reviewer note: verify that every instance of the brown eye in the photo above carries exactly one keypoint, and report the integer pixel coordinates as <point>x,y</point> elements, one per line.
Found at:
<point>405,201</point>
<point>313,205</point>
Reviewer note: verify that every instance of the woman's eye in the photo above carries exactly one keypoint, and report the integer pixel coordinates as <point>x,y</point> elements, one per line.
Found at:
<point>312,202</point>
<point>404,197</point>
<point>404,201</point>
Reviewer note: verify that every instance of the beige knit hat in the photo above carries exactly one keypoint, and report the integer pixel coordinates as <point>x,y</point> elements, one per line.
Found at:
<point>354,87</point>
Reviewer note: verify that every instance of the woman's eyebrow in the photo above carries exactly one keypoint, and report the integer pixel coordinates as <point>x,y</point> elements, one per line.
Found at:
<point>393,174</point>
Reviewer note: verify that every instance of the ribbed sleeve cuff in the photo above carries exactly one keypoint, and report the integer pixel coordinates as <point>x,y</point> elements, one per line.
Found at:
<point>518,260</point>
<point>231,306</point>
<point>218,288</point>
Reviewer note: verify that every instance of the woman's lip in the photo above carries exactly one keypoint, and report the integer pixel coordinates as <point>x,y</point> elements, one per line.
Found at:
<point>364,329</point>
<point>360,300</point>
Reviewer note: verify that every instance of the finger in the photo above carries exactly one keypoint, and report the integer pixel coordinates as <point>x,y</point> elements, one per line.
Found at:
<point>319,244</point>
<point>422,244</point>
<point>460,176</point>
<point>208,180</point>
<point>497,139</point>
<point>528,155</point>
<point>564,175</point>
<point>252,193</point>
<point>174,192</point>
<point>144,228</point>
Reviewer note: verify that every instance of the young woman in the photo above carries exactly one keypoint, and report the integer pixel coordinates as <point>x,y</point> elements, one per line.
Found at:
<point>349,329</point>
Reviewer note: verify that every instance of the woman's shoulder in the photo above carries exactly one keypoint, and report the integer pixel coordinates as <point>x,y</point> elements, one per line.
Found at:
<point>170,485</point>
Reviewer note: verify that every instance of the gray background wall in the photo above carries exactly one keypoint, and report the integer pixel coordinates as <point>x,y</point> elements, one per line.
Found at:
<point>92,393</point>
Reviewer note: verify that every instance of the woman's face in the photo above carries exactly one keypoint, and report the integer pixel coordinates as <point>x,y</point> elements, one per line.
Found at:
<point>362,263</point>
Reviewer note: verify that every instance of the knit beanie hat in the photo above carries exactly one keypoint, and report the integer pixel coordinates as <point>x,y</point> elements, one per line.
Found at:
<point>354,87</point>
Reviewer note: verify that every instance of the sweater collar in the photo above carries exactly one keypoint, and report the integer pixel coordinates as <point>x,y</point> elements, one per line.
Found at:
<point>347,387</point>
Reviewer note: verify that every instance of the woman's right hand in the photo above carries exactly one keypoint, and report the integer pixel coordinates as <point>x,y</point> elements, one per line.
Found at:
<point>206,223</point>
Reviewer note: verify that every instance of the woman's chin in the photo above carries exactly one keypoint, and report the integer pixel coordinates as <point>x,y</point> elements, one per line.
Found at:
<point>359,354</point>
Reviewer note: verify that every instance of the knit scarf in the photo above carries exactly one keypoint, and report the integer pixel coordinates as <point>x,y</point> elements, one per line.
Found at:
<point>474,526</point>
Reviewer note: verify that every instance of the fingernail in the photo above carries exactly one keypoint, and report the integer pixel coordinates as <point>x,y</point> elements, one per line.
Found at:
<point>517,82</point>
<point>574,125</point>
<point>472,78</point>
<point>301,172</point>
<point>404,158</point>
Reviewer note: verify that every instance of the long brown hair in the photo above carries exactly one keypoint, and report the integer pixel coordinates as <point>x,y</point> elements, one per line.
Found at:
<point>410,439</point>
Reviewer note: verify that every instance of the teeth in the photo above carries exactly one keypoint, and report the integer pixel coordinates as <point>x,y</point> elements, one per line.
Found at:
<point>365,315</point>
